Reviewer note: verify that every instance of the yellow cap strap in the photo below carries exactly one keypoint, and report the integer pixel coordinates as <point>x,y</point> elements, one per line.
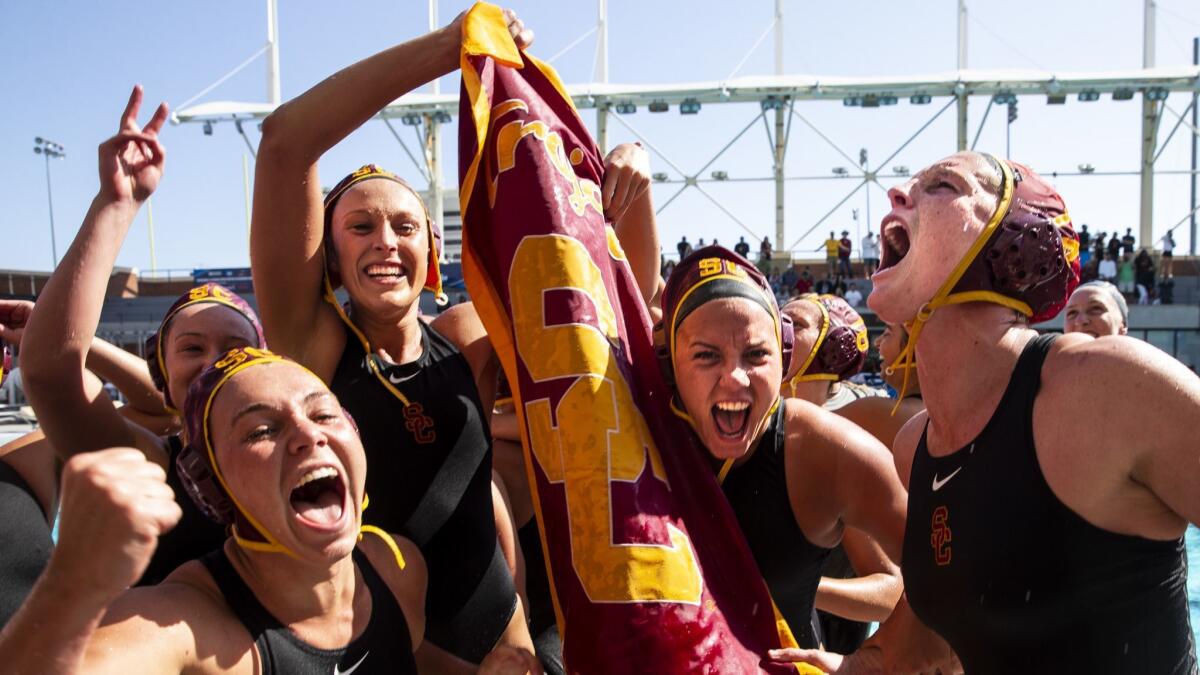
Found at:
<point>944,297</point>
<point>387,539</point>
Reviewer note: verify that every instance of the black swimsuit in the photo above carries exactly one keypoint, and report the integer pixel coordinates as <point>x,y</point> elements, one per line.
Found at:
<point>1018,582</point>
<point>191,538</point>
<point>383,647</point>
<point>430,478</point>
<point>789,562</point>
<point>25,543</point>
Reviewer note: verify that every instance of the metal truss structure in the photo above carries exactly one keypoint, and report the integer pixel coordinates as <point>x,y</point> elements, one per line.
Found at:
<point>777,96</point>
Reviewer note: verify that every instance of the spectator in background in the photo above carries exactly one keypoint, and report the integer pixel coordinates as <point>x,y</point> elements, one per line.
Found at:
<point>715,242</point>
<point>1168,255</point>
<point>870,254</point>
<point>1098,309</point>
<point>701,244</point>
<point>787,280</point>
<point>1090,271</point>
<point>831,254</point>
<point>742,248</point>
<point>805,283</point>
<point>1085,246</point>
<point>1114,246</point>
<point>845,246</point>
<point>1108,268</point>
<point>839,287</point>
<point>1166,291</point>
<point>1125,277</point>
<point>1128,243</point>
<point>853,296</point>
<point>764,250</point>
<point>1098,246</point>
<point>1143,269</point>
<point>684,247</point>
<point>824,286</point>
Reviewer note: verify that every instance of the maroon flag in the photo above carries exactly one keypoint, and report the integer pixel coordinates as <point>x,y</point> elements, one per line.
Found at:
<point>648,568</point>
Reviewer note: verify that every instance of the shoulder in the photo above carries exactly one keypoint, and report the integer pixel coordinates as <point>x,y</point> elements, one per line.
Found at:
<point>165,623</point>
<point>1081,370</point>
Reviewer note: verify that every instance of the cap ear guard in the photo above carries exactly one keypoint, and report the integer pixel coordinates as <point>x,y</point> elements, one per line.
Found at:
<point>202,486</point>
<point>787,340</point>
<point>662,352</point>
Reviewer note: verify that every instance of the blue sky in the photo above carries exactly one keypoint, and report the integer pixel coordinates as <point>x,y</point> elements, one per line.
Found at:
<point>68,67</point>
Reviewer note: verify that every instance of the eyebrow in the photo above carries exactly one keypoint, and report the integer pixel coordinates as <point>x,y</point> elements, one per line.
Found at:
<point>259,407</point>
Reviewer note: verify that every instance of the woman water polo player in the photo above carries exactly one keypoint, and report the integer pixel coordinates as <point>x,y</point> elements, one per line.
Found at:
<point>859,583</point>
<point>1096,308</point>
<point>1037,541</point>
<point>795,475</point>
<point>421,393</point>
<point>77,416</point>
<point>297,588</point>
<point>831,346</point>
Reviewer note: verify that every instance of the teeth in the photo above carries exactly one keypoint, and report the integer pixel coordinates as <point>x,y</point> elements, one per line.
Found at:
<point>732,406</point>
<point>383,270</point>
<point>317,474</point>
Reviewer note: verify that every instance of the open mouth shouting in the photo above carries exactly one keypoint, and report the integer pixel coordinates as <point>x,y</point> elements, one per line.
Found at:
<point>731,418</point>
<point>319,498</point>
<point>388,273</point>
<point>895,243</point>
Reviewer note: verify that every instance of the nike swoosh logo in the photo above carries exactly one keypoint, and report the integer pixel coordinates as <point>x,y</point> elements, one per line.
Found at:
<point>937,484</point>
<point>397,380</point>
<point>337,670</point>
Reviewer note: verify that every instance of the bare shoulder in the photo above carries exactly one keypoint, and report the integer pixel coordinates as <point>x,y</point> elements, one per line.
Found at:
<point>1083,371</point>
<point>460,323</point>
<point>181,624</point>
<point>407,583</point>
<point>813,425</point>
<point>905,446</point>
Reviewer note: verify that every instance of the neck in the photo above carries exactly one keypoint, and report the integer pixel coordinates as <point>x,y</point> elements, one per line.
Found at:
<point>816,392</point>
<point>293,590</point>
<point>965,358</point>
<point>395,337</point>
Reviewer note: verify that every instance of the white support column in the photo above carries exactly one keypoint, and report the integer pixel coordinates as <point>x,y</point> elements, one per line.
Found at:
<point>601,73</point>
<point>780,138</point>
<point>1149,135</point>
<point>434,151</point>
<point>962,65</point>
<point>273,90</point>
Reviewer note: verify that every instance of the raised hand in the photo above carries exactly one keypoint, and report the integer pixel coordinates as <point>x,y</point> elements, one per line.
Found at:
<point>115,505</point>
<point>626,179</point>
<point>131,163</point>
<point>521,35</point>
<point>14,314</point>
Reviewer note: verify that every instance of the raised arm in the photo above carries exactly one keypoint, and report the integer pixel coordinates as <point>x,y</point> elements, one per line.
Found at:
<point>629,205</point>
<point>288,218</point>
<point>62,326</point>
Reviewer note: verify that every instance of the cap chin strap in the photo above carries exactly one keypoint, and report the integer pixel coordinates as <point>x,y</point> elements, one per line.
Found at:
<point>812,353</point>
<point>908,356</point>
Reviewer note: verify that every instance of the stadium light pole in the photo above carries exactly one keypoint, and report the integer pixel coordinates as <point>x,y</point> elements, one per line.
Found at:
<point>50,149</point>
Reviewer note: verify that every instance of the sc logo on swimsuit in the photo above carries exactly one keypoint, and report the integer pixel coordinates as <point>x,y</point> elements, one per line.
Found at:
<point>420,424</point>
<point>941,537</point>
